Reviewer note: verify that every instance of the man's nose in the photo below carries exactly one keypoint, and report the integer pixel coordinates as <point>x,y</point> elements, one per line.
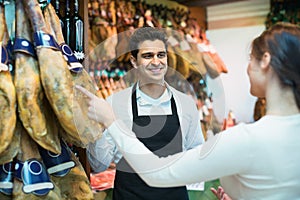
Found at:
<point>155,60</point>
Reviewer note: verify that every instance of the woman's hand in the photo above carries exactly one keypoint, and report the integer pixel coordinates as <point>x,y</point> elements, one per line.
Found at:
<point>99,110</point>
<point>220,193</point>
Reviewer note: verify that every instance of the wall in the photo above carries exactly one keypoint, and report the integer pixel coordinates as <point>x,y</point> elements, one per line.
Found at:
<point>231,33</point>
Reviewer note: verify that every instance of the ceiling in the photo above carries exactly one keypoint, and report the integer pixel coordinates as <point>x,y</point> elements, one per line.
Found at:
<point>204,3</point>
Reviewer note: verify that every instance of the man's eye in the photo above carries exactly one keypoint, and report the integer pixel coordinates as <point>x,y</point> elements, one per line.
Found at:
<point>151,55</point>
<point>161,55</point>
<point>148,55</point>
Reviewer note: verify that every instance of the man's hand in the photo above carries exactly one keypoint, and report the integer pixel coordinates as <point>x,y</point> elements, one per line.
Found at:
<point>220,193</point>
<point>99,110</point>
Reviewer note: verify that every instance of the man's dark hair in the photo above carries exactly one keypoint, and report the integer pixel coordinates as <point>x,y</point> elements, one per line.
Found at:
<point>145,33</point>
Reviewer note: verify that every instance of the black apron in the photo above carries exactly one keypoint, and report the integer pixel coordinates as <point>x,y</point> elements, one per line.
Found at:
<point>162,135</point>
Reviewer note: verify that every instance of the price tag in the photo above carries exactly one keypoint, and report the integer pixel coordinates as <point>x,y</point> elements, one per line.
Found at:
<point>196,186</point>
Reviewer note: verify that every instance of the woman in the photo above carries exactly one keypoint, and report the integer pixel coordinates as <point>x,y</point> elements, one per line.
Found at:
<point>253,161</point>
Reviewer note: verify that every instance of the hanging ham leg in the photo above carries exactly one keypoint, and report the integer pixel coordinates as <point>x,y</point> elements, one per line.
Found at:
<point>76,184</point>
<point>29,150</point>
<point>14,147</point>
<point>81,78</point>
<point>58,84</point>
<point>10,153</point>
<point>29,90</point>
<point>8,109</point>
<point>7,96</point>
<point>183,65</point>
<point>3,28</point>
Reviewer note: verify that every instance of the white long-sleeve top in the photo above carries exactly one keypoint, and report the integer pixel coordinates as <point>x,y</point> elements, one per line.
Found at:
<point>255,161</point>
<point>103,151</point>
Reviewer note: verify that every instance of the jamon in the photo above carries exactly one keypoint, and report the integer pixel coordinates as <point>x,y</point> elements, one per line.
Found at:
<point>171,61</point>
<point>58,83</point>
<point>30,94</point>
<point>7,96</point>
<point>122,48</point>
<point>14,147</point>
<point>29,150</point>
<point>221,67</point>
<point>182,63</point>
<point>200,67</point>
<point>81,78</point>
<point>102,32</point>
<point>210,65</point>
<point>8,109</point>
<point>75,184</point>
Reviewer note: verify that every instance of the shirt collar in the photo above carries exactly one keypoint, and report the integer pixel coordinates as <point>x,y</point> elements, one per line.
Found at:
<point>144,99</point>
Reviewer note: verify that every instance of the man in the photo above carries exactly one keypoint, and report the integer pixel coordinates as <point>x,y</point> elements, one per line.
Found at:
<point>162,118</point>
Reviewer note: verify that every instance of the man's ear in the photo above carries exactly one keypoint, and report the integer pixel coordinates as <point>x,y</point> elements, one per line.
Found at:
<point>265,61</point>
<point>133,61</point>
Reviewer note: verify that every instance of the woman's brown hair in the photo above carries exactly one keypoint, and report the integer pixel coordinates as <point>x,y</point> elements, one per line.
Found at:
<point>282,42</point>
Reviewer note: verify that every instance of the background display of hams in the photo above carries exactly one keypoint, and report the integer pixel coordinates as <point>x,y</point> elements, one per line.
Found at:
<point>39,105</point>
<point>189,50</point>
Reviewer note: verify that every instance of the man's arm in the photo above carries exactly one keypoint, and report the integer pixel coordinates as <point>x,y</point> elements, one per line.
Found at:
<point>101,153</point>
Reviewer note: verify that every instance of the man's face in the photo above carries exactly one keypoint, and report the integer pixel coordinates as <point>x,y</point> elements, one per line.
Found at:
<point>151,62</point>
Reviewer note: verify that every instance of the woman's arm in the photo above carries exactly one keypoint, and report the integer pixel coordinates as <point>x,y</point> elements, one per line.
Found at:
<point>225,154</point>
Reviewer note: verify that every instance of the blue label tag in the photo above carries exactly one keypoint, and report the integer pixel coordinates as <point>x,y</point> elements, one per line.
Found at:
<point>25,46</point>
<point>6,178</point>
<point>18,169</point>
<point>57,164</point>
<point>4,65</point>
<point>9,48</point>
<point>4,55</point>
<point>42,39</point>
<point>35,178</point>
<point>10,62</point>
<point>74,64</point>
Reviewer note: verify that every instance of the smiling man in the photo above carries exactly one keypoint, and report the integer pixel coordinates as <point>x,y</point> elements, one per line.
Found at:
<point>162,118</point>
